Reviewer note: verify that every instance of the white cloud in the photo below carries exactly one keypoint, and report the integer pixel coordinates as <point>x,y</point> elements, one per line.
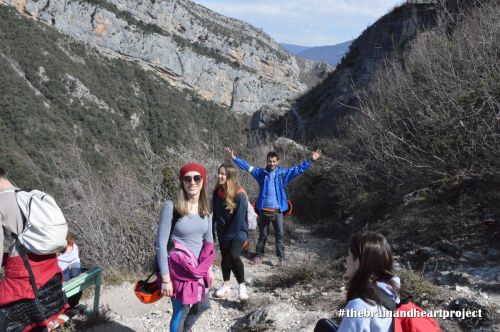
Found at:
<point>305,22</point>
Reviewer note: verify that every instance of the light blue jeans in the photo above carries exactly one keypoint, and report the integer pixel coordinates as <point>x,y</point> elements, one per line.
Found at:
<point>185,316</point>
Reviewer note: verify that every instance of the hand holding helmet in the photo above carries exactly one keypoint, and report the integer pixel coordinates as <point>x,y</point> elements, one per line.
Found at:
<point>167,288</point>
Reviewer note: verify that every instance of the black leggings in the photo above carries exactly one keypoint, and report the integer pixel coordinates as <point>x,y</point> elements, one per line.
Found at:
<point>231,261</point>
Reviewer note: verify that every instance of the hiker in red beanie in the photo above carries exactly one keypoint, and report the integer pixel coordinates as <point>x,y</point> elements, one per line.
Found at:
<point>186,265</point>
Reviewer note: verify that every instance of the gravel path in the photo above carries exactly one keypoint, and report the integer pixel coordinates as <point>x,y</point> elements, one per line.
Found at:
<point>128,314</point>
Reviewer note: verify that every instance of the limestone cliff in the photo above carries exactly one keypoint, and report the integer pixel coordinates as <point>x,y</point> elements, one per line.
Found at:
<point>223,60</point>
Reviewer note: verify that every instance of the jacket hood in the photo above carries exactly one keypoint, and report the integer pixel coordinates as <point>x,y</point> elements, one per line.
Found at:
<point>388,290</point>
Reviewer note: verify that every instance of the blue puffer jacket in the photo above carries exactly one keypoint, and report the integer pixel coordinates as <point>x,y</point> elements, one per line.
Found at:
<point>282,178</point>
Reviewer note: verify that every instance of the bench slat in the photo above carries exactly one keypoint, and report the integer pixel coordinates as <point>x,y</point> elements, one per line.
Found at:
<point>89,278</point>
<point>66,316</point>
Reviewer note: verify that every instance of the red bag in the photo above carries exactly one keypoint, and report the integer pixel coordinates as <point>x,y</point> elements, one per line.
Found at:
<point>414,323</point>
<point>408,317</point>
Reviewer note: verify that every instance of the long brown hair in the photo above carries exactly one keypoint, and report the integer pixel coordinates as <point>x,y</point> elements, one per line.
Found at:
<point>231,186</point>
<point>181,202</point>
<point>375,264</point>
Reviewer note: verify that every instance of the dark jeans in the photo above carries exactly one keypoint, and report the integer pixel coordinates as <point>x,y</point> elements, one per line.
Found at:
<point>326,325</point>
<point>231,261</point>
<point>279,233</point>
<point>71,272</point>
<point>68,274</point>
<point>185,316</point>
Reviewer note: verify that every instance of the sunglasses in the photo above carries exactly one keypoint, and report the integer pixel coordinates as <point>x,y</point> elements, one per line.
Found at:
<point>187,179</point>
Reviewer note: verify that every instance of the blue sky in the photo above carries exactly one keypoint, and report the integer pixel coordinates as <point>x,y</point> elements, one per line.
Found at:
<point>305,22</point>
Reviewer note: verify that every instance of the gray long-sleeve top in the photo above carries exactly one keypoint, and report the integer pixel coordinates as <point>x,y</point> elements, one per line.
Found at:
<point>11,221</point>
<point>192,230</point>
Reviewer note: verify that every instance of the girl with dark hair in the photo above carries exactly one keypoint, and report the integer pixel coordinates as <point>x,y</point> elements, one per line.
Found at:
<point>185,271</point>
<point>230,206</point>
<point>370,273</point>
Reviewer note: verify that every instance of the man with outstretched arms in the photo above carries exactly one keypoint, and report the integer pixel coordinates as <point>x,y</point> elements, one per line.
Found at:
<point>272,200</point>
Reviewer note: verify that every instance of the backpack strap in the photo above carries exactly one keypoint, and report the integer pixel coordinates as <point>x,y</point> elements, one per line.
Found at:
<point>24,255</point>
<point>22,249</point>
<point>175,218</point>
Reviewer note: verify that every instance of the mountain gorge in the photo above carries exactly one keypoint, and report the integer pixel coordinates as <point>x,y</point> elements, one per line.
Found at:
<point>102,101</point>
<point>107,98</point>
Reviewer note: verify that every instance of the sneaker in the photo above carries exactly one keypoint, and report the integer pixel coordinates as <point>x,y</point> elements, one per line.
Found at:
<point>256,260</point>
<point>242,292</point>
<point>223,291</point>
<point>282,262</point>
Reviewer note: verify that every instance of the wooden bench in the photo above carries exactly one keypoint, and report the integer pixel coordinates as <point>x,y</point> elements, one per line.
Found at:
<point>86,279</point>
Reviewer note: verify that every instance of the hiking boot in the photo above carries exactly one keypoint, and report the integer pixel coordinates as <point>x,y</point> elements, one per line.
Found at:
<point>223,291</point>
<point>256,260</point>
<point>242,292</point>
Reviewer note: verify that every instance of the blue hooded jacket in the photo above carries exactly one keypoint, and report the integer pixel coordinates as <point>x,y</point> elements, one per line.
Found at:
<point>282,178</point>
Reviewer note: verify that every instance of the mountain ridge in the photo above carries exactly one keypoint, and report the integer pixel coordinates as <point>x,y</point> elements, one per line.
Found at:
<point>330,54</point>
<point>188,45</point>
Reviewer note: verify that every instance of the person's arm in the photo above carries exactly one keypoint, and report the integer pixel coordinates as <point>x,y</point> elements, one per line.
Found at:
<point>214,218</point>
<point>255,171</point>
<point>208,236</point>
<point>294,171</point>
<point>241,211</point>
<point>162,237</point>
<point>1,239</point>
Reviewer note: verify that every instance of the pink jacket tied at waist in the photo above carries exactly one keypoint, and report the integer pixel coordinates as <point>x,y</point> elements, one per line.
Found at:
<point>190,276</point>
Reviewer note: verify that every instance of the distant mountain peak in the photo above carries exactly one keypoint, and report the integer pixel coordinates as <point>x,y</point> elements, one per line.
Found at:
<point>330,54</point>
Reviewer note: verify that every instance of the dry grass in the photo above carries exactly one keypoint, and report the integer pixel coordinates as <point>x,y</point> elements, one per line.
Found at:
<point>423,291</point>
<point>317,273</point>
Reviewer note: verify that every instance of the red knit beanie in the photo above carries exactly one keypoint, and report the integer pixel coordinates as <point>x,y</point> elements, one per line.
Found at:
<point>194,167</point>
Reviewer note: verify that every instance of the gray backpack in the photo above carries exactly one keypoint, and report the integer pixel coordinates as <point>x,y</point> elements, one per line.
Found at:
<point>45,227</point>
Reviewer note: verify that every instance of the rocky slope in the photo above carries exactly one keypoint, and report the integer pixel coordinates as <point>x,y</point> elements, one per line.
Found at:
<point>78,124</point>
<point>223,60</point>
<point>316,113</point>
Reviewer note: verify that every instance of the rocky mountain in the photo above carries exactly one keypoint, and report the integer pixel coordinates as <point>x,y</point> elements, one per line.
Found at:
<point>330,54</point>
<point>221,59</point>
<point>104,135</point>
<point>294,49</point>
<point>316,113</point>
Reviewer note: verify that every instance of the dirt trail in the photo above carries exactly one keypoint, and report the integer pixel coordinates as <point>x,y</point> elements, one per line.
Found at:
<point>272,306</point>
<point>128,314</point>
